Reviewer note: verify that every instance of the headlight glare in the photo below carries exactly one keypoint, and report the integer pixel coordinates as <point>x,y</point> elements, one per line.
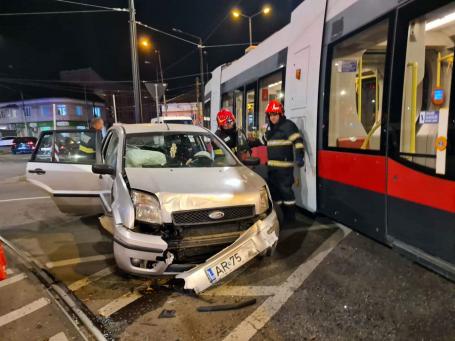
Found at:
<point>147,207</point>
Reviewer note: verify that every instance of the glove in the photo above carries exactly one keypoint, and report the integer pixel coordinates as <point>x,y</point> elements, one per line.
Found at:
<point>300,162</point>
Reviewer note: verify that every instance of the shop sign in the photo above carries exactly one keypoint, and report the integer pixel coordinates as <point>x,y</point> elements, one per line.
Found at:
<point>429,117</point>
<point>63,123</point>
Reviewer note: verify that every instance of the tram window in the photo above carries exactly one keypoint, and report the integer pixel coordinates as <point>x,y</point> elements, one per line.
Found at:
<point>206,123</point>
<point>270,88</point>
<point>356,89</point>
<point>227,102</point>
<point>238,97</point>
<point>251,125</point>
<point>426,136</point>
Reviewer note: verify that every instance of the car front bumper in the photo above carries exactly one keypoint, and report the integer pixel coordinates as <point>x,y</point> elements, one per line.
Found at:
<point>130,246</point>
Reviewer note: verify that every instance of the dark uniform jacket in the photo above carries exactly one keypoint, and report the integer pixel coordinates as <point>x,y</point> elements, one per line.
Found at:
<point>281,140</point>
<point>230,137</point>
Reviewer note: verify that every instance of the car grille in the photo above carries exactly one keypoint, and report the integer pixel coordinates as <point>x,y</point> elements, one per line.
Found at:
<point>200,217</point>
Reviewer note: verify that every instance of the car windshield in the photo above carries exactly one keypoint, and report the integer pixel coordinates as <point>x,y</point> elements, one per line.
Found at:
<point>176,149</point>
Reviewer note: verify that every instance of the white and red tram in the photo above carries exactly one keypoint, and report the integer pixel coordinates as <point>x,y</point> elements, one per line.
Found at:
<point>369,84</point>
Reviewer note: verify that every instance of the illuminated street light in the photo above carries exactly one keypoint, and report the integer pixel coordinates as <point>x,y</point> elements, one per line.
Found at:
<point>145,43</point>
<point>236,13</point>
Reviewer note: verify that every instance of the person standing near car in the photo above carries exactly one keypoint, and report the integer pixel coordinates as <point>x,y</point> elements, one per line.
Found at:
<point>283,140</point>
<point>90,140</point>
<point>227,129</point>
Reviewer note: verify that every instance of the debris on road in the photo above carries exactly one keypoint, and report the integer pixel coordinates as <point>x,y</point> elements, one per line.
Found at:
<point>224,307</point>
<point>167,314</point>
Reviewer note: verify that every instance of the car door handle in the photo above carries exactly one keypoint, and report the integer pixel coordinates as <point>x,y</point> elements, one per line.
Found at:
<point>38,171</point>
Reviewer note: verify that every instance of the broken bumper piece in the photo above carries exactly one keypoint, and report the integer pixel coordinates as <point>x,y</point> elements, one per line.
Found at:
<point>258,238</point>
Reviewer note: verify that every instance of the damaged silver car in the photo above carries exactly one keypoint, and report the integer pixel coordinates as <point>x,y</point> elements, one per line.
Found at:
<point>179,201</point>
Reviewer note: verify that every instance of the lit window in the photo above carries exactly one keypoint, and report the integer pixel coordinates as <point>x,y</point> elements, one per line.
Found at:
<point>356,90</point>
<point>61,109</point>
<point>46,110</point>
<point>78,110</point>
<point>96,112</point>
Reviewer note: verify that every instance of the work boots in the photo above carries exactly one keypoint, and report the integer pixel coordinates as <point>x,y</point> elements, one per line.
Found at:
<point>288,214</point>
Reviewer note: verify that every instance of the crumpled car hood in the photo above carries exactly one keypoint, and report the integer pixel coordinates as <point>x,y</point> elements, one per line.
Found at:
<point>181,189</point>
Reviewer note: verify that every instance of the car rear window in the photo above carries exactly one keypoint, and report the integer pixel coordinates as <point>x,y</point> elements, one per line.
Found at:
<point>24,139</point>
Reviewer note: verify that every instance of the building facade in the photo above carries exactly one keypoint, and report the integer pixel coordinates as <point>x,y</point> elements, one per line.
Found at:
<point>31,117</point>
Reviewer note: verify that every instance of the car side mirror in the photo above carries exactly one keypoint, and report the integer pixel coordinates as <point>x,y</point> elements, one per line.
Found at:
<point>251,161</point>
<point>101,168</point>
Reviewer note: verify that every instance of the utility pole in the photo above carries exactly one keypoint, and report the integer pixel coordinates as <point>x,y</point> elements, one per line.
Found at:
<point>162,82</point>
<point>198,98</point>
<point>201,61</point>
<point>23,112</point>
<point>135,64</point>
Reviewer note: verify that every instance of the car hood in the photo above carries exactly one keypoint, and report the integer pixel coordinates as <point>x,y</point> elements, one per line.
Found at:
<point>182,189</point>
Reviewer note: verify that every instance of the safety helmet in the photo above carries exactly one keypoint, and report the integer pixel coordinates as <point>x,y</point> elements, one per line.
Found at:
<point>224,117</point>
<point>274,106</point>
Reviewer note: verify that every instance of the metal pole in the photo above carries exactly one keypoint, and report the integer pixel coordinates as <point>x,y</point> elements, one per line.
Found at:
<point>251,31</point>
<point>198,99</point>
<point>115,108</point>
<point>54,115</point>
<point>157,103</point>
<point>135,64</point>
<point>162,82</point>
<point>201,60</point>
<point>23,112</point>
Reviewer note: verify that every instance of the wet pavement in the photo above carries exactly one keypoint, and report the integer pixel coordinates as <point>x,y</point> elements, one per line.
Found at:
<point>324,282</point>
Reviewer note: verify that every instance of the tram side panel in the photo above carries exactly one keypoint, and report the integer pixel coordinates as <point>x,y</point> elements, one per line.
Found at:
<point>302,84</point>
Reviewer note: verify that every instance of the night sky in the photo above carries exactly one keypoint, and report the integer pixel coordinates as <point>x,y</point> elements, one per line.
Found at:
<point>38,47</point>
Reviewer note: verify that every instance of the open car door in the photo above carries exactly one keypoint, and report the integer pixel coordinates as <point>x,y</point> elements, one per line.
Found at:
<point>62,165</point>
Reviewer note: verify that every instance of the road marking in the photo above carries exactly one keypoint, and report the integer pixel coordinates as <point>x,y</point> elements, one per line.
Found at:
<point>20,199</point>
<point>25,310</point>
<point>12,280</point>
<point>73,261</point>
<point>59,337</point>
<point>257,320</point>
<point>90,279</point>
<point>248,290</point>
<point>119,303</point>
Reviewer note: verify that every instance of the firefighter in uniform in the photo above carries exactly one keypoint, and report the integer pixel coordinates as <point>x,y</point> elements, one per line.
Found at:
<point>227,129</point>
<point>283,140</point>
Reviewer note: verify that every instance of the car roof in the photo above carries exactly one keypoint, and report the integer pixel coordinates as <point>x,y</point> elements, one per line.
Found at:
<point>160,127</point>
<point>165,118</point>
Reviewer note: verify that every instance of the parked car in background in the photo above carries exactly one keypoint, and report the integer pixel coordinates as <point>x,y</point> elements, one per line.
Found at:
<point>179,201</point>
<point>23,145</point>
<point>173,119</point>
<point>6,141</point>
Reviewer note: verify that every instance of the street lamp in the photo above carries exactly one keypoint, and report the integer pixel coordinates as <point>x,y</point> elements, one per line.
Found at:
<point>145,43</point>
<point>201,62</point>
<point>236,13</point>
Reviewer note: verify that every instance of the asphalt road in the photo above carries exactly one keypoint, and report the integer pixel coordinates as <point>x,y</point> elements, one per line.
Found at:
<point>323,283</point>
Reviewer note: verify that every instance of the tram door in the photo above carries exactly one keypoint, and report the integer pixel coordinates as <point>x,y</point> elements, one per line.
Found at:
<point>352,164</point>
<point>421,166</point>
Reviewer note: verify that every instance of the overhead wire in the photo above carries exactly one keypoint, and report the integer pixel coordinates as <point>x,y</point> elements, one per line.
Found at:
<point>56,12</point>
<point>91,5</point>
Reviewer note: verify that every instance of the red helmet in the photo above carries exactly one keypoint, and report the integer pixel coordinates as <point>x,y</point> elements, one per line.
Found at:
<point>224,117</point>
<point>274,107</point>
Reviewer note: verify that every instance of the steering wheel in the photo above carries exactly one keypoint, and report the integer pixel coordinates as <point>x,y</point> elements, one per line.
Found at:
<point>200,158</point>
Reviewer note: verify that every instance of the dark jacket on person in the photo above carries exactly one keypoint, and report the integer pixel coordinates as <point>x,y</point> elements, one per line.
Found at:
<point>281,140</point>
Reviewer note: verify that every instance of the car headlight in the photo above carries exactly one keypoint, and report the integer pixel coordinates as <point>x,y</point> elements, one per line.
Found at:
<point>147,207</point>
<point>263,200</point>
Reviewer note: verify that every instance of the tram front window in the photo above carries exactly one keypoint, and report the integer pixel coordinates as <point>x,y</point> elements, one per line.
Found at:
<point>356,89</point>
<point>426,124</point>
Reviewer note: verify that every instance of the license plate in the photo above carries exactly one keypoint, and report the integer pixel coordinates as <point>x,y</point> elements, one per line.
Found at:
<point>227,265</point>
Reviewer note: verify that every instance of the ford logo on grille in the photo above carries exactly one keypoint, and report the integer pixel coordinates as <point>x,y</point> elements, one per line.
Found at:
<point>216,215</point>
